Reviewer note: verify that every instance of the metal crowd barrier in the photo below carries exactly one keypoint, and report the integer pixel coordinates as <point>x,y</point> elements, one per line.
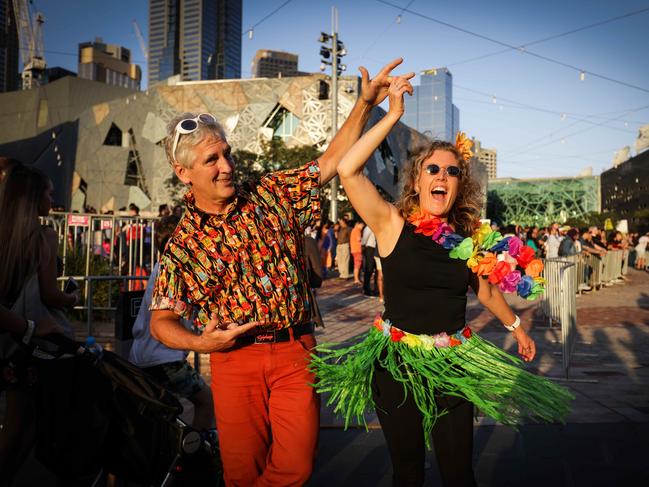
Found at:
<point>594,272</point>
<point>559,303</point>
<point>126,243</point>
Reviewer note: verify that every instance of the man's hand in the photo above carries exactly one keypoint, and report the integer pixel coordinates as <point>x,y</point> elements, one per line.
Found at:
<point>374,91</point>
<point>526,346</point>
<point>218,337</point>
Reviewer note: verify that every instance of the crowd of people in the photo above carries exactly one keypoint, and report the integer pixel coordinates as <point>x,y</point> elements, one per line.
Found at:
<point>347,250</point>
<point>336,242</point>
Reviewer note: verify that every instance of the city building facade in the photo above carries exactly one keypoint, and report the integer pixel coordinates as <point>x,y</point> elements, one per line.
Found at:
<point>108,63</point>
<point>103,145</point>
<point>274,64</point>
<point>194,39</point>
<point>430,109</point>
<point>9,48</point>
<point>625,191</point>
<point>488,157</point>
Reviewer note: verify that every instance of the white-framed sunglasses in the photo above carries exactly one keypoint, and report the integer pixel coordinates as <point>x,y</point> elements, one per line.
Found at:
<point>190,125</point>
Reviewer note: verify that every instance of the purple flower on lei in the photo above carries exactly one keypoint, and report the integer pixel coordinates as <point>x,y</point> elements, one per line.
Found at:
<point>525,286</point>
<point>515,246</point>
<point>509,283</point>
<point>442,230</point>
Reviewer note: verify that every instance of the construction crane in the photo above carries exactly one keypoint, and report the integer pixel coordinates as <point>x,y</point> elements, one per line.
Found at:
<point>30,37</point>
<point>140,38</point>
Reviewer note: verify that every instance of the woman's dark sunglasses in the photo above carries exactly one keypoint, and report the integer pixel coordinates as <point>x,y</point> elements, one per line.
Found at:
<point>454,171</point>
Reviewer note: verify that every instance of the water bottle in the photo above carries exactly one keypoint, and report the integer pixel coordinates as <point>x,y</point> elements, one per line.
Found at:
<point>93,347</point>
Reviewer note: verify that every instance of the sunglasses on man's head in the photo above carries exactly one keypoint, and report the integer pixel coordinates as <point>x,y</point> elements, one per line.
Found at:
<point>454,171</point>
<point>190,125</point>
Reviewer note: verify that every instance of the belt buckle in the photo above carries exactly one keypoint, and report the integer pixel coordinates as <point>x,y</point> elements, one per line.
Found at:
<point>267,337</point>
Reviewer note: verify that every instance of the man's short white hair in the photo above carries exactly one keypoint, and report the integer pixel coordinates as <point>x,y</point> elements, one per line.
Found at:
<point>187,142</point>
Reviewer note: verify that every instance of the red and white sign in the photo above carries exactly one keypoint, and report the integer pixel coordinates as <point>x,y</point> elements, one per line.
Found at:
<point>106,224</point>
<point>78,220</point>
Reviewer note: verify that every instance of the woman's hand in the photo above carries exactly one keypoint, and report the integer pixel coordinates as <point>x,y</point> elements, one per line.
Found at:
<point>526,346</point>
<point>374,91</point>
<point>398,87</point>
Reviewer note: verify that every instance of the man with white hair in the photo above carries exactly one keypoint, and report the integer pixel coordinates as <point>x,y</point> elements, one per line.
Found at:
<point>235,265</point>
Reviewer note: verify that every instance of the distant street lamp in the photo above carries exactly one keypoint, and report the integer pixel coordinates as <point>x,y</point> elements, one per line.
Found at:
<point>333,49</point>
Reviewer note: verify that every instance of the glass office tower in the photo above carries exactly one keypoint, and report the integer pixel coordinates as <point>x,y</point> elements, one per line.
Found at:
<point>431,110</point>
<point>197,39</point>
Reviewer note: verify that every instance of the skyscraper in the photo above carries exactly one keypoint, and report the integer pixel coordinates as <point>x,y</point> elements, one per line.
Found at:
<point>9,53</point>
<point>430,109</point>
<point>196,39</point>
<point>108,63</point>
<point>271,64</point>
<point>489,157</point>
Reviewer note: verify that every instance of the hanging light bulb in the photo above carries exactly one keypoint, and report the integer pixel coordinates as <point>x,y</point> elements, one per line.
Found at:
<point>626,124</point>
<point>563,117</point>
<point>582,76</point>
<point>435,98</point>
<point>493,99</point>
<point>250,32</point>
<point>399,19</point>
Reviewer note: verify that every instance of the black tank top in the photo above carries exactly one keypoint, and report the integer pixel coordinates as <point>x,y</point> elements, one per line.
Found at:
<point>425,290</point>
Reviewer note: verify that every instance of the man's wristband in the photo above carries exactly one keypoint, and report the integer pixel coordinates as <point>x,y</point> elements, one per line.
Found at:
<point>515,324</point>
<point>29,332</point>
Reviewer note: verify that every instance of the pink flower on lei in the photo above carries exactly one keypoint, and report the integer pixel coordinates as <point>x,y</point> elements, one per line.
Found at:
<point>442,340</point>
<point>515,246</point>
<point>509,283</point>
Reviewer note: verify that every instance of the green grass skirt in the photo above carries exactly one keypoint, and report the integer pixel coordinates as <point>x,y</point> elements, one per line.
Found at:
<point>493,380</point>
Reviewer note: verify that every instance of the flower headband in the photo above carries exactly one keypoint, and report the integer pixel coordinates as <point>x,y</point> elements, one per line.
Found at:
<point>463,145</point>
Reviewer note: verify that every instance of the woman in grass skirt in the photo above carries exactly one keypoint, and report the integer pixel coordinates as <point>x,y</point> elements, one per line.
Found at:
<point>420,366</point>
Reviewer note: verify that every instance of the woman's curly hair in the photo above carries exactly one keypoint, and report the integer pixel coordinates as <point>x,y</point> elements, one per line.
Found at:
<point>466,209</point>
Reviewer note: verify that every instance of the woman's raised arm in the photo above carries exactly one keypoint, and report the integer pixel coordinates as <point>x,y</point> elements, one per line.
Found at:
<point>382,217</point>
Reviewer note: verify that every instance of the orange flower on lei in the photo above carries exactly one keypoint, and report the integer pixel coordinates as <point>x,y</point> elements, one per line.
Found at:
<point>486,265</point>
<point>534,268</point>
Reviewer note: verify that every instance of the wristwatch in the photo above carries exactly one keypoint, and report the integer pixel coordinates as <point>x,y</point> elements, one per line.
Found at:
<point>515,324</point>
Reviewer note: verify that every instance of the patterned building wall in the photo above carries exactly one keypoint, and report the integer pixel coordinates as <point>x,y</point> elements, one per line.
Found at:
<point>542,201</point>
<point>118,153</point>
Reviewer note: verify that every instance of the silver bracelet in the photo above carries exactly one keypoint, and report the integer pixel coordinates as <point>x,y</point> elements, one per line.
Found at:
<point>515,324</point>
<point>29,332</point>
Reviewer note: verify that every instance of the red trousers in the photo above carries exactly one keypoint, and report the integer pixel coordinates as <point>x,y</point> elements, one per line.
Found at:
<point>267,413</point>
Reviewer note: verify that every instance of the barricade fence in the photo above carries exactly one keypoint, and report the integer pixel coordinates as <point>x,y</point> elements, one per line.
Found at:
<point>559,303</point>
<point>595,272</point>
<point>104,244</point>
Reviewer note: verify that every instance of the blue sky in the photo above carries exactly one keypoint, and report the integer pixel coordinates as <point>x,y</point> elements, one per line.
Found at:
<point>526,124</point>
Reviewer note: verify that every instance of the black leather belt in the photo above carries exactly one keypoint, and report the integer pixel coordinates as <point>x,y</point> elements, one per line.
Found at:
<point>274,336</point>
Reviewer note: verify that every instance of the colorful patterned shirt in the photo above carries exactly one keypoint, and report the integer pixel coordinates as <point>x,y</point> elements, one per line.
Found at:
<point>248,263</point>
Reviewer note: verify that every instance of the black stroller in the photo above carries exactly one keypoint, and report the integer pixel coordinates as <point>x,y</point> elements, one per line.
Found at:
<point>100,415</point>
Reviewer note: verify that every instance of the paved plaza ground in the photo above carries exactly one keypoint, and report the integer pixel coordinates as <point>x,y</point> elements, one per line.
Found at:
<point>604,443</point>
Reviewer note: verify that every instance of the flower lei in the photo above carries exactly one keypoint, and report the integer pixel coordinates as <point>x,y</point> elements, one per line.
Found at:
<point>505,262</point>
<point>427,342</point>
